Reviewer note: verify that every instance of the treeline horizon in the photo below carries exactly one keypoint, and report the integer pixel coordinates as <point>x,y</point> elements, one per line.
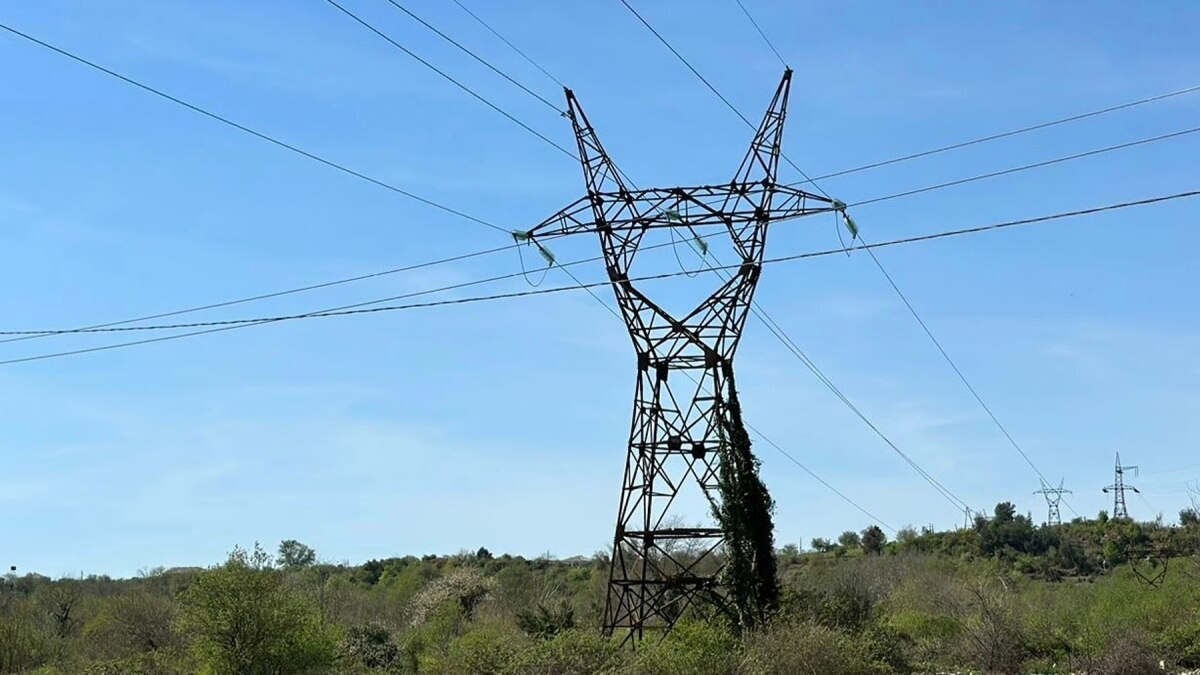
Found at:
<point>1101,596</point>
<point>1013,531</point>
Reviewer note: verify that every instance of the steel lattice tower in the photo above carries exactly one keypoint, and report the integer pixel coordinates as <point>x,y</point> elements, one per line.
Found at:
<point>1053,499</point>
<point>1119,487</point>
<point>684,365</point>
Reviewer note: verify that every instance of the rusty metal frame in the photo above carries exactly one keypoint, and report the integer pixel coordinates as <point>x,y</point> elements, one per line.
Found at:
<point>678,422</point>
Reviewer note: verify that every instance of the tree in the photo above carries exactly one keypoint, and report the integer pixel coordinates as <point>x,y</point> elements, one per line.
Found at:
<point>849,539</point>
<point>821,545</point>
<point>61,600</point>
<point>1189,517</point>
<point>243,619</point>
<point>293,554</point>
<point>544,623</point>
<point>1005,512</point>
<point>873,540</point>
<point>145,620</point>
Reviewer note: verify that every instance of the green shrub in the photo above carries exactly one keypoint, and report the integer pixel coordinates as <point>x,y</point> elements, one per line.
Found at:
<point>165,662</point>
<point>572,652</point>
<point>23,645</point>
<point>244,620</point>
<point>691,647</point>
<point>1182,644</point>
<point>995,640</point>
<point>805,648</point>
<point>482,652</point>
<point>542,622</point>
<point>886,647</point>
<point>370,646</point>
<point>1126,656</point>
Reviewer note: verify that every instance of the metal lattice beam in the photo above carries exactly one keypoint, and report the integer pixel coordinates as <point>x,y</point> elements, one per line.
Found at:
<point>659,569</point>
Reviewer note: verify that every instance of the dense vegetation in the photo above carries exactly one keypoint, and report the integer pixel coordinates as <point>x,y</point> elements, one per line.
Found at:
<point>1002,596</point>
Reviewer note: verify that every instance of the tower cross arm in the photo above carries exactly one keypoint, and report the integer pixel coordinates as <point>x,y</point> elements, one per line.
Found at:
<point>693,206</point>
<point>793,203</point>
<point>575,218</point>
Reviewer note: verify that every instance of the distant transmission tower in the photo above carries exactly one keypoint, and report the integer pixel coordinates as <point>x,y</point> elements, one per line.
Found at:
<point>681,411</point>
<point>1119,487</point>
<point>1053,497</point>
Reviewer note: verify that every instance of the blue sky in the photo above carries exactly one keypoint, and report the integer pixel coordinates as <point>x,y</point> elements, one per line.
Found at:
<point>503,425</point>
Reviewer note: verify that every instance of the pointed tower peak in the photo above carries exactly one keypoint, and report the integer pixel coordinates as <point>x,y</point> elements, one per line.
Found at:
<point>761,163</point>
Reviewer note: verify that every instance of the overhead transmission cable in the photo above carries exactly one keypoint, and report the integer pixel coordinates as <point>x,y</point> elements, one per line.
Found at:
<point>761,34</point>
<point>245,129</point>
<point>886,162</point>
<point>480,221</point>
<point>1025,167</point>
<point>356,308</point>
<point>757,309</point>
<point>874,258</point>
<point>376,181</point>
<point>360,175</point>
<point>511,46</point>
<point>454,81</point>
<point>591,292</point>
<point>115,325</point>
<point>211,327</point>
<point>261,296</point>
<point>1005,134</point>
<point>773,326</point>
<point>895,287</point>
<point>867,247</point>
<point>925,327</point>
<point>448,209</point>
<point>475,56</point>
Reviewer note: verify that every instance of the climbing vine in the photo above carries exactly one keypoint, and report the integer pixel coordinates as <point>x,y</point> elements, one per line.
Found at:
<point>745,516</point>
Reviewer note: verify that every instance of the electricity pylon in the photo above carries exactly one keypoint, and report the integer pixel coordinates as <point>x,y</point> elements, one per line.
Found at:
<point>681,412</point>
<point>1053,499</point>
<point>1119,487</point>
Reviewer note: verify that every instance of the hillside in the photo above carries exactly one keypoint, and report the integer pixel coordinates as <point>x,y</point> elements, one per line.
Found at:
<point>1100,596</point>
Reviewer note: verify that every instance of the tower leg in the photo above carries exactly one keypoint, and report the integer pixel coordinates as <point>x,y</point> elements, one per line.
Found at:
<point>661,563</point>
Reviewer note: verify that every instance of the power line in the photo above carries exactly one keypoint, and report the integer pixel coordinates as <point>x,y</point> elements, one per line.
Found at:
<point>115,326</point>
<point>713,89</point>
<point>813,181</point>
<point>512,46</point>
<point>26,335</point>
<point>761,33</point>
<point>686,63</point>
<point>245,129</point>
<point>350,310</point>
<point>890,280</point>
<point>375,181</point>
<point>1024,167</point>
<point>895,287</point>
<point>1005,134</point>
<point>957,371</point>
<point>309,155</point>
<point>820,480</point>
<point>451,79</point>
<point>264,296</point>
<point>749,426</point>
<point>475,56</point>
<point>214,327</point>
<point>796,351</point>
<point>766,319</point>
<point>513,81</point>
